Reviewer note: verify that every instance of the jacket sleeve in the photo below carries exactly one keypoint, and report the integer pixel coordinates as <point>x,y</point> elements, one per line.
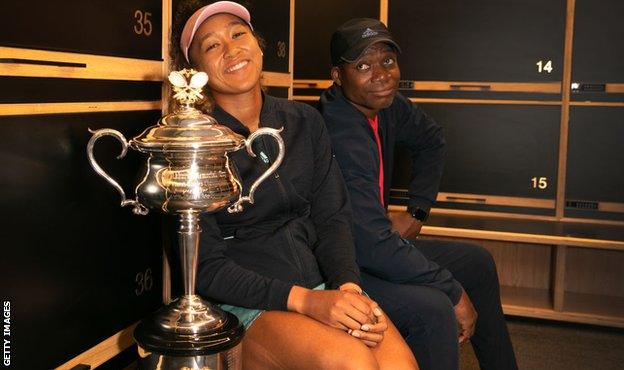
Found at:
<point>331,213</point>
<point>424,139</point>
<point>220,278</point>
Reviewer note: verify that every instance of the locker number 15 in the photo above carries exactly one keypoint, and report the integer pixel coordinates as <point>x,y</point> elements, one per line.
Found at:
<point>539,183</point>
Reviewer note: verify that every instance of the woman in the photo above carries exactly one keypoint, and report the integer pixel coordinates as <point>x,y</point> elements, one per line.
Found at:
<point>285,265</point>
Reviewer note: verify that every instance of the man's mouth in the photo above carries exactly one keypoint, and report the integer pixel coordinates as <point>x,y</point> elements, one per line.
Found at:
<point>384,92</point>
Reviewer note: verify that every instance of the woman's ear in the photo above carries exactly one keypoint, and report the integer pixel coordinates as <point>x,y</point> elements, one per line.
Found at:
<point>335,75</point>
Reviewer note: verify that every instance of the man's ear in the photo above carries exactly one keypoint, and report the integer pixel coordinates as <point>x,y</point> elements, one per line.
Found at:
<point>335,75</point>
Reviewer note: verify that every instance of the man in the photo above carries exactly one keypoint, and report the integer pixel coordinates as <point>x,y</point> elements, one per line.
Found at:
<point>428,288</point>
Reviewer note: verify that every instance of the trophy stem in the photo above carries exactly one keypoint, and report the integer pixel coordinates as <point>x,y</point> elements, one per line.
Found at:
<point>188,237</point>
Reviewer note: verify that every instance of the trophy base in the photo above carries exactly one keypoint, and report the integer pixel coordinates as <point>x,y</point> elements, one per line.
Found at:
<point>230,359</point>
<point>188,327</point>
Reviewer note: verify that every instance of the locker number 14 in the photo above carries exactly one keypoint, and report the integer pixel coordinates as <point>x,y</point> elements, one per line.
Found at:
<point>541,66</point>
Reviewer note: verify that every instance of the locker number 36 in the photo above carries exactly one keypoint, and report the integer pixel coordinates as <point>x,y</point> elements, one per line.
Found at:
<point>539,183</point>
<point>144,282</point>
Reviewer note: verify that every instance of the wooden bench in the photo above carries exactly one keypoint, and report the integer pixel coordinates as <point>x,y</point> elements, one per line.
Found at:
<point>560,270</point>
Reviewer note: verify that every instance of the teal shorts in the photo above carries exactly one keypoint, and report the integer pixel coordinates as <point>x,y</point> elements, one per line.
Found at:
<point>248,315</point>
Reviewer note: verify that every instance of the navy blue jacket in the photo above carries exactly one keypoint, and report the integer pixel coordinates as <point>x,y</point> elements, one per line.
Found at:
<point>298,231</point>
<point>380,251</point>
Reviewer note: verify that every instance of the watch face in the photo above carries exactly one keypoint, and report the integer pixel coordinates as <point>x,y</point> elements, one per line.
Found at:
<point>419,214</point>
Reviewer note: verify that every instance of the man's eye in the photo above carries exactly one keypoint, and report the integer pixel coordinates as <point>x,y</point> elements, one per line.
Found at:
<point>362,67</point>
<point>389,61</point>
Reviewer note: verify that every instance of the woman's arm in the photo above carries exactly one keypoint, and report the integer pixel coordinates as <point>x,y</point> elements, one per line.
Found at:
<point>219,277</point>
<point>331,212</point>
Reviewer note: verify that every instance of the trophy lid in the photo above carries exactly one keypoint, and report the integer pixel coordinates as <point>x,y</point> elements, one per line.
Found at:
<point>187,128</point>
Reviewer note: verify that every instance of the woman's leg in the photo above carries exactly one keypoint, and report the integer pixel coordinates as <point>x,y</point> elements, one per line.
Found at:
<point>393,353</point>
<point>287,340</point>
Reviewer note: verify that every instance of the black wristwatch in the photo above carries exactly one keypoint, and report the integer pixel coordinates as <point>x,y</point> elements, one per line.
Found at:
<point>418,213</point>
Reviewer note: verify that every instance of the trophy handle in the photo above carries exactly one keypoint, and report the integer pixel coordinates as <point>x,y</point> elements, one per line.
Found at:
<point>238,205</point>
<point>138,209</point>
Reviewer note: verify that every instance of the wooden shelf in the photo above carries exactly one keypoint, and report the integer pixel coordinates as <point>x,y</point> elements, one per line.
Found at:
<point>549,232</point>
<point>596,306</point>
<point>515,298</point>
<point>578,307</point>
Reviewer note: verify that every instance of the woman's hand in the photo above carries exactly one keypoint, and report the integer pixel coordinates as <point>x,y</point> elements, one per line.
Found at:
<point>372,333</point>
<point>339,309</point>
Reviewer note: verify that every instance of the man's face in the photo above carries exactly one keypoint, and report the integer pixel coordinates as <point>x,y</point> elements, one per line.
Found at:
<point>371,82</point>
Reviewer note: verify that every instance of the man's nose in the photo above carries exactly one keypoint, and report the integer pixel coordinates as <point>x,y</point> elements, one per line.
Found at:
<point>380,74</point>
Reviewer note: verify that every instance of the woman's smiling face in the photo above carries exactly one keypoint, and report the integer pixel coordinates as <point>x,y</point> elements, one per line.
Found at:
<point>225,48</point>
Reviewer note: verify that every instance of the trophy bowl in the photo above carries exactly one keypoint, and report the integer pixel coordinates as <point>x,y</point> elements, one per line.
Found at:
<point>187,172</point>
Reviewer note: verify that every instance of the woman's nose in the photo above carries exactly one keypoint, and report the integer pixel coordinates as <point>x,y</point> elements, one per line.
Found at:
<point>229,50</point>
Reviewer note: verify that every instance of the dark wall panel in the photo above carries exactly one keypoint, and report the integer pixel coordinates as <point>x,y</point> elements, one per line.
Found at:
<point>76,267</point>
<point>595,171</point>
<point>280,92</point>
<point>598,54</point>
<point>271,18</point>
<point>315,21</point>
<point>57,90</point>
<point>131,28</point>
<point>488,40</point>
<point>495,149</point>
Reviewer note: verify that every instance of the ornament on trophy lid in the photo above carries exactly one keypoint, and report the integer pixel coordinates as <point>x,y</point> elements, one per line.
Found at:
<point>188,92</point>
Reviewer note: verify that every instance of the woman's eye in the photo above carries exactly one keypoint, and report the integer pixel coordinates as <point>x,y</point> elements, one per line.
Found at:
<point>362,67</point>
<point>239,34</point>
<point>210,46</point>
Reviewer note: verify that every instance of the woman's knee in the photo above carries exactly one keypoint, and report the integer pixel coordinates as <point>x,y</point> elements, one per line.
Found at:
<point>353,357</point>
<point>268,346</point>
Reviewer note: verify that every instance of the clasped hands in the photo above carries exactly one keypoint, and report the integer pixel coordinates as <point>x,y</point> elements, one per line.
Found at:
<point>345,309</point>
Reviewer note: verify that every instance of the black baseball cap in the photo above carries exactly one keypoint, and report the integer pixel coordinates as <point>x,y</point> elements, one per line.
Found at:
<point>354,36</point>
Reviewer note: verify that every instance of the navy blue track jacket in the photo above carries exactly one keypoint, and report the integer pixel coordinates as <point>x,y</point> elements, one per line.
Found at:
<point>380,251</point>
<point>298,231</point>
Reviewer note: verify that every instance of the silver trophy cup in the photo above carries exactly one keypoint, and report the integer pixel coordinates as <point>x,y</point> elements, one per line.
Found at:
<point>187,172</point>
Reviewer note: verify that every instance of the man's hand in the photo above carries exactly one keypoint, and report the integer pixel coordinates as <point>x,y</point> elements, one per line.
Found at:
<point>466,317</point>
<point>406,225</point>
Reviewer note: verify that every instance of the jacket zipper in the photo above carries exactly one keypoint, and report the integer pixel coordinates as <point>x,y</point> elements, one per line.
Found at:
<point>289,236</point>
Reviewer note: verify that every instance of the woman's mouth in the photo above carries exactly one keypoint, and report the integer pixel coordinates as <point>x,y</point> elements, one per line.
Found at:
<point>236,66</point>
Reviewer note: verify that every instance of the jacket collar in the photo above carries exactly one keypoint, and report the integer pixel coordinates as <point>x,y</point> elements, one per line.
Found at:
<point>268,116</point>
<point>339,110</point>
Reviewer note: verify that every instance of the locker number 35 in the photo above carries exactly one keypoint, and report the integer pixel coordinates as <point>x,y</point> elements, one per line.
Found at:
<point>142,24</point>
<point>539,183</point>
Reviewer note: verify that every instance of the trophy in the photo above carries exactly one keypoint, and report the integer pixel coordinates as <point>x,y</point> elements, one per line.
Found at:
<point>188,172</point>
